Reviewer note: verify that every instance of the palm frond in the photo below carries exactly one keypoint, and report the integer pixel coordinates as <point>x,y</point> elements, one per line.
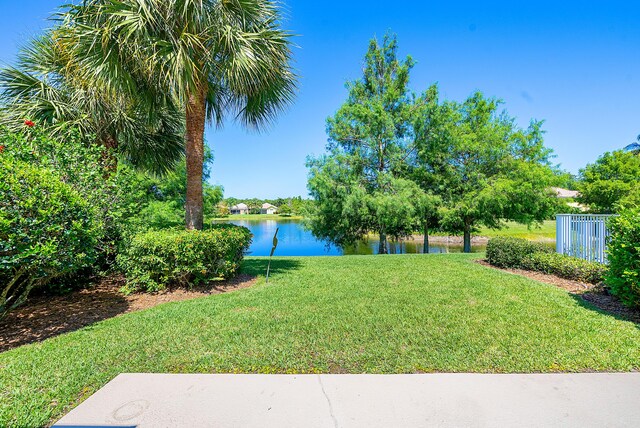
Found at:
<point>48,85</point>
<point>234,48</point>
<point>633,147</point>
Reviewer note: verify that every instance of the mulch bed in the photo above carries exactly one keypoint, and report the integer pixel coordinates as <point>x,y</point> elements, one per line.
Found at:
<point>597,295</point>
<point>45,316</point>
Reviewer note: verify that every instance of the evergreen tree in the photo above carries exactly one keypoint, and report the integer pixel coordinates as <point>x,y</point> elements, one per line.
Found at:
<point>359,186</point>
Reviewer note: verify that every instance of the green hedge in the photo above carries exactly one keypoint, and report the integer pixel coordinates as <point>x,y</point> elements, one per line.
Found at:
<point>47,230</point>
<point>156,260</point>
<point>113,196</point>
<point>623,278</point>
<point>565,267</point>
<point>507,252</point>
<point>519,253</point>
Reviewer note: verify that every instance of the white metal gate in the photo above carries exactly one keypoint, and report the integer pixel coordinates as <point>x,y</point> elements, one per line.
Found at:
<point>583,236</point>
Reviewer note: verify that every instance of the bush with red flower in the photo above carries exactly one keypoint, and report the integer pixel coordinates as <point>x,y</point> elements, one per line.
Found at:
<point>47,230</point>
<point>54,205</point>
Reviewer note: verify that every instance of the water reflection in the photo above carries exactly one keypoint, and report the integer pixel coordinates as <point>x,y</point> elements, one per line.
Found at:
<point>295,240</point>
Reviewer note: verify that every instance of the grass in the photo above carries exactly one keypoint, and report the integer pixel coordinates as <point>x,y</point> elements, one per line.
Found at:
<point>545,232</point>
<point>352,314</point>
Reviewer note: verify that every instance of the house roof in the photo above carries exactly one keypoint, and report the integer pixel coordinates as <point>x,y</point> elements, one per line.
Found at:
<point>240,207</point>
<point>267,206</point>
<point>565,193</point>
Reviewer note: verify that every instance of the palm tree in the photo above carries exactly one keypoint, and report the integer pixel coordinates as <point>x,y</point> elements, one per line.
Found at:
<point>634,147</point>
<point>214,58</point>
<point>44,87</point>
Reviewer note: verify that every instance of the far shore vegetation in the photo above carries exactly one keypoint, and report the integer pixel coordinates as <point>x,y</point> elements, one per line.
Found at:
<point>257,217</point>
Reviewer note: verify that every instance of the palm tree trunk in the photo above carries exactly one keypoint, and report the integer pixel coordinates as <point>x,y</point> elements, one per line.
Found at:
<point>109,158</point>
<point>194,147</point>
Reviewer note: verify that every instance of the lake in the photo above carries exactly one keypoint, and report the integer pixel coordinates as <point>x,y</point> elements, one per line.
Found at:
<point>295,240</point>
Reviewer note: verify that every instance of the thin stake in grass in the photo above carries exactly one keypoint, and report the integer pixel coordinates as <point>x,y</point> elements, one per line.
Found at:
<point>273,249</point>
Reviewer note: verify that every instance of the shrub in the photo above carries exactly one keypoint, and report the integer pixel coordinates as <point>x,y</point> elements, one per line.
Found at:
<point>565,267</point>
<point>47,230</point>
<point>519,253</point>
<point>285,211</point>
<point>75,163</point>
<point>80,166</point>
<point>507,252</point>
<point>157,215</point>
<point>155,260</point>
<point>623,278</point>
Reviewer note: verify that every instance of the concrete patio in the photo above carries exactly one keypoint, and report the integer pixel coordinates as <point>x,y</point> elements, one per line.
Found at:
<point>430,400</point>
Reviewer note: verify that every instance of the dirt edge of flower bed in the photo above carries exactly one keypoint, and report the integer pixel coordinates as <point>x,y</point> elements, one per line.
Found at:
<point>43,317</point>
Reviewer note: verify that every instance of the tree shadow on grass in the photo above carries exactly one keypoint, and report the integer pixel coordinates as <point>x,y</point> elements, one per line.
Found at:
<point>258,267</point>
<point>600,301</point>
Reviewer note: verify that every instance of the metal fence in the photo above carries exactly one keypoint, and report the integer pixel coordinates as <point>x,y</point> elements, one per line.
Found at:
<point>583,236</point>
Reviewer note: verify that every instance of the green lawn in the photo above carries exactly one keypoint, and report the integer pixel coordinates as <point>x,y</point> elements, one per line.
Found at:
<point>546,232</point>
<point>352,314</point>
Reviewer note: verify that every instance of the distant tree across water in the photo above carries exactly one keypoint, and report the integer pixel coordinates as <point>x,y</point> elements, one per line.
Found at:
<point>611,183</point>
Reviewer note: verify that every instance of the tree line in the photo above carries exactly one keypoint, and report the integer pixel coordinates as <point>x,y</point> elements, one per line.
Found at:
<point>296,205</point>
<point>612,183</point>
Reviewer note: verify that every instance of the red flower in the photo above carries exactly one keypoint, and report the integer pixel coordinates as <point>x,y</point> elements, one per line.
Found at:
<point>29,123</point>
<point>1,149</point>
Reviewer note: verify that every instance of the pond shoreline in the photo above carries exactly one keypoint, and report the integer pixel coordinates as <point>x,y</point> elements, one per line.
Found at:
<point>296,240</point>
<point>454,240</point>
<point>475,240</point>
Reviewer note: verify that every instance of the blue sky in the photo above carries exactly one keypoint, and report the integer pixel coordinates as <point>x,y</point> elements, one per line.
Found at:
<point>574,64</point>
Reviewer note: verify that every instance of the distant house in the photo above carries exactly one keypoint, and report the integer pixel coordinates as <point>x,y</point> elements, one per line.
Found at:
<point>268,209</point>
<point>565,193</point>
<point>241,209</point>
<point>569,194</point>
